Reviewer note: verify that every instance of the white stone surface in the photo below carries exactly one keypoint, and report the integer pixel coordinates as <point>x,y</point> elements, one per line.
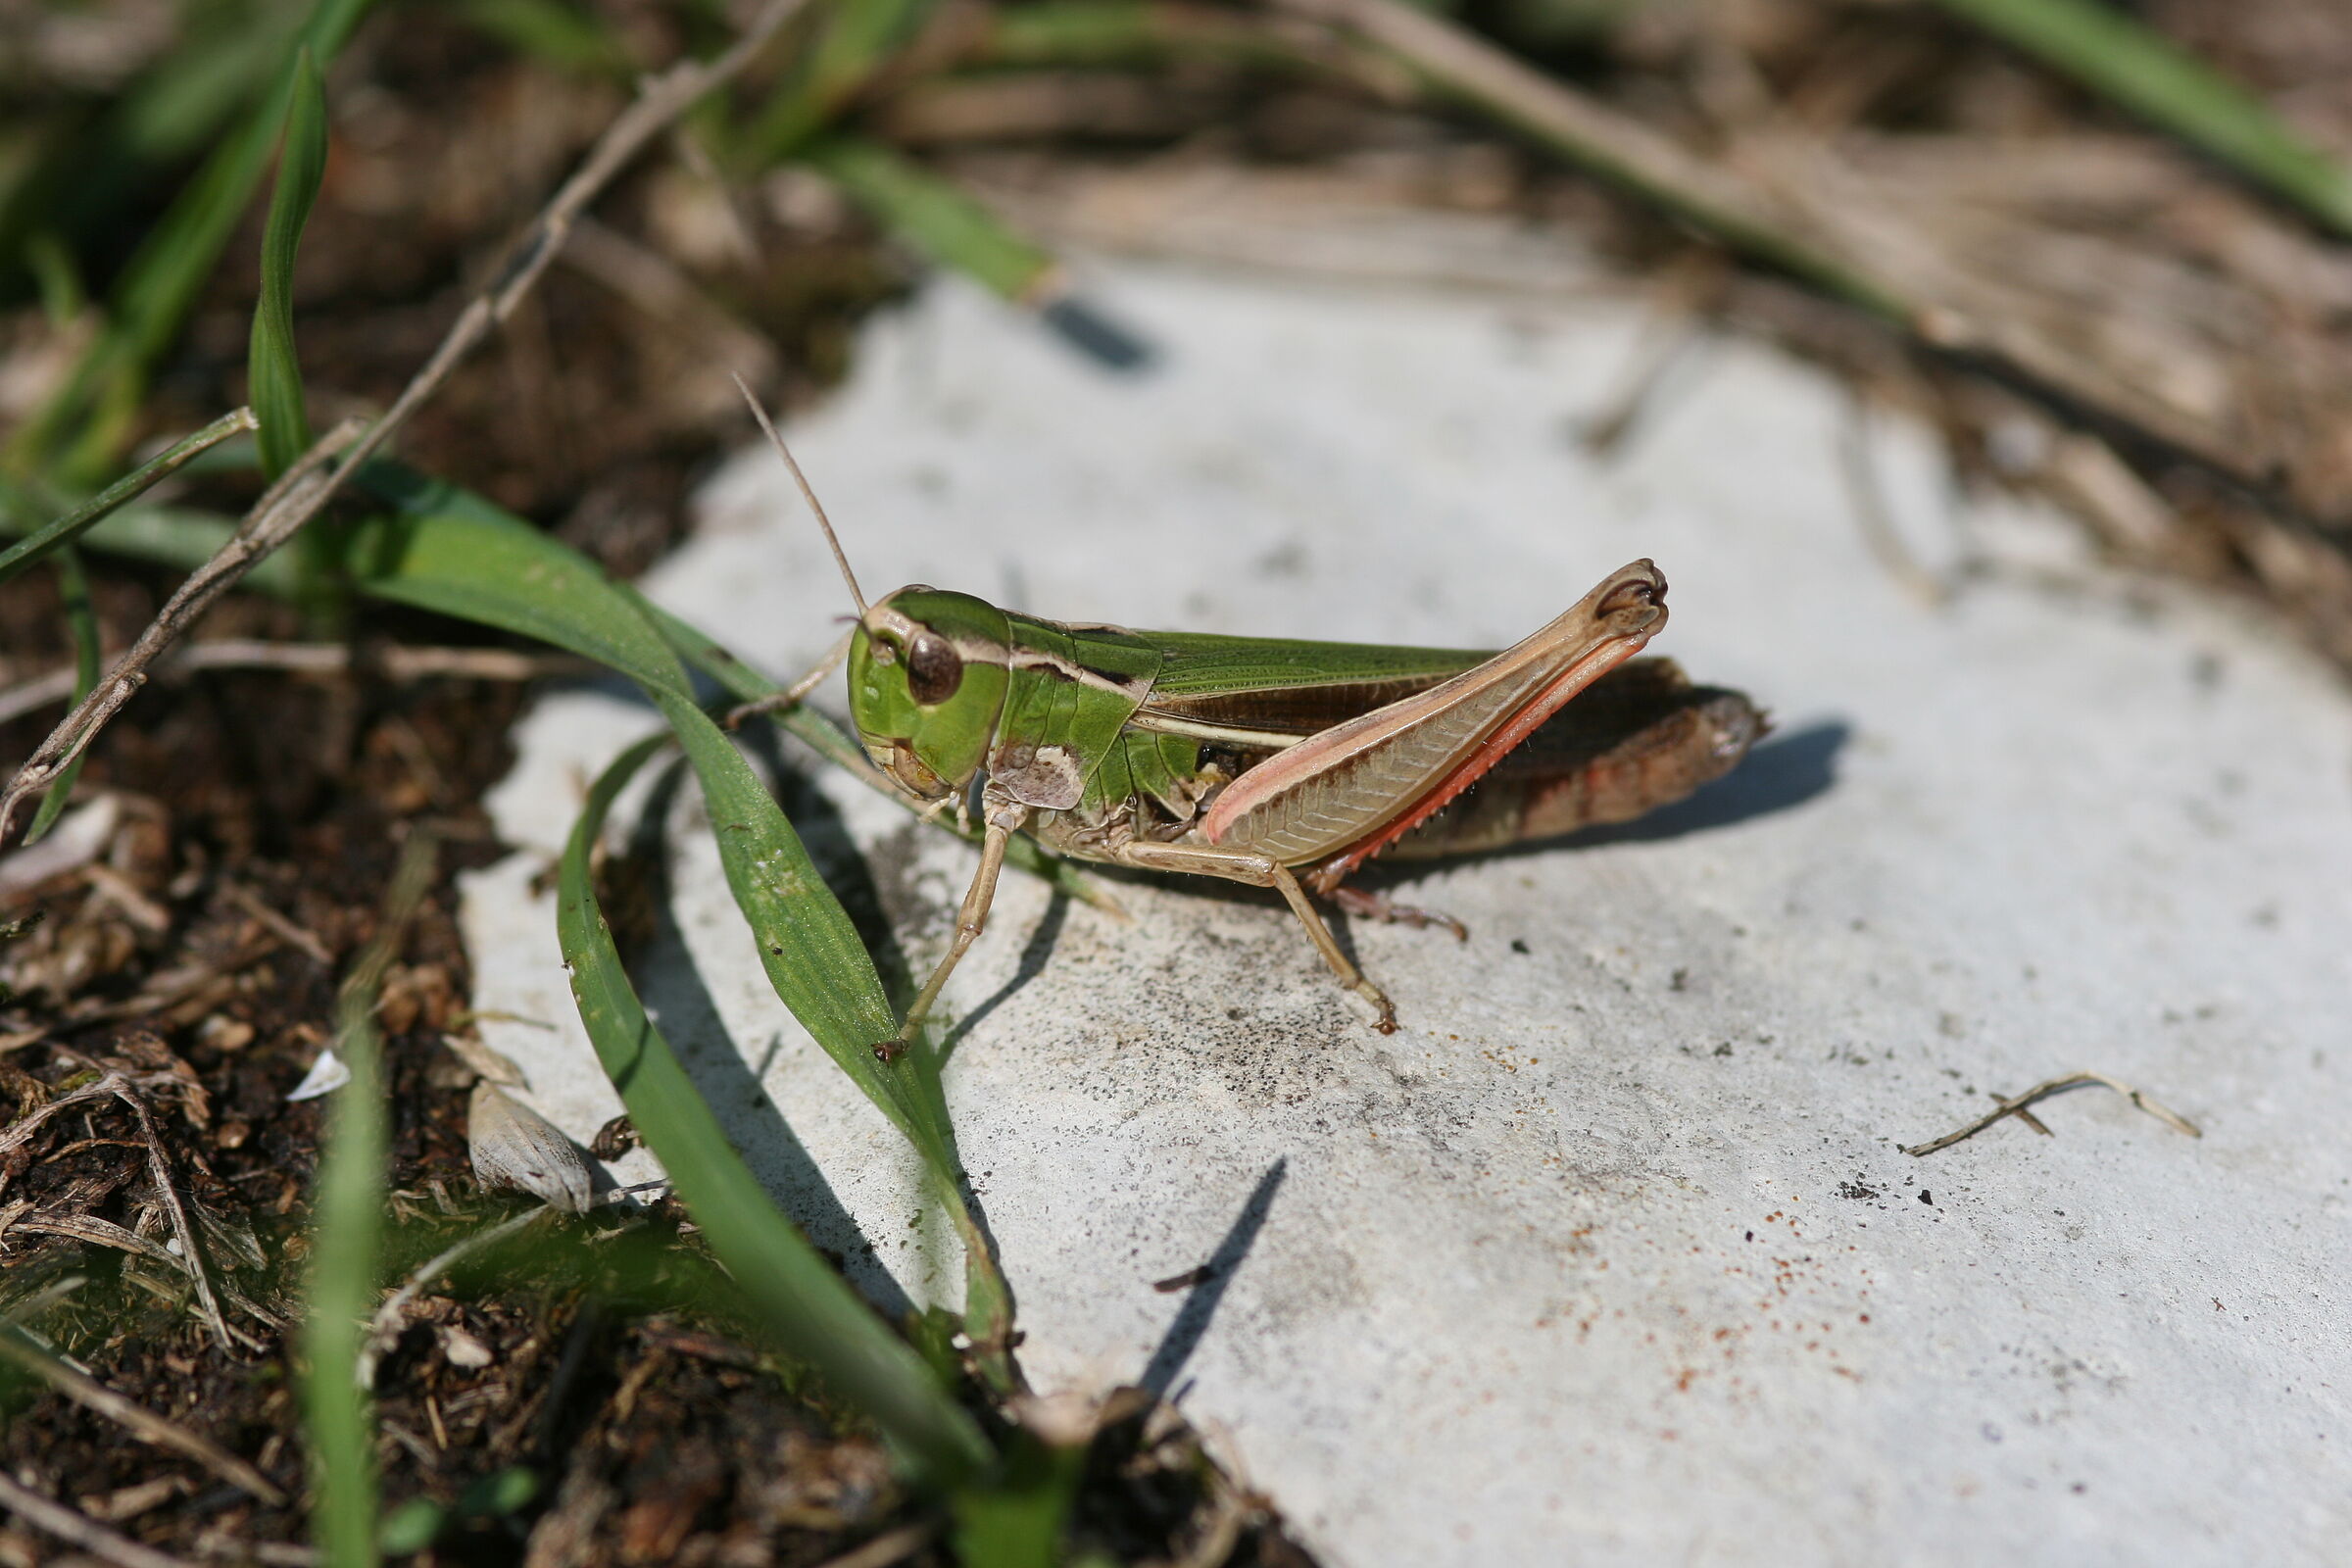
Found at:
<point>1611,1254</point>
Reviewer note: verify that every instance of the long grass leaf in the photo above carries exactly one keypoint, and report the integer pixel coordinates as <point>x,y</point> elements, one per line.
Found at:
<point>502,574</point>
<point>855,40</point>
<point>64,530</point>
<point>2132,65</point>
<point>345,1251</point>
<point>808,1309</point>
<point>569,37</point>
<point>933,215</point>
<point>73,588</point>
<point>180,537</point>
<point>80,431</point>
<point>272,367</point>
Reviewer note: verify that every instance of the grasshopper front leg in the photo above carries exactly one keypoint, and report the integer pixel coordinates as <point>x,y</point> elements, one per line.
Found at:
<point>1003,817</point>
<point>1262,871</point>
<point>793,694</point>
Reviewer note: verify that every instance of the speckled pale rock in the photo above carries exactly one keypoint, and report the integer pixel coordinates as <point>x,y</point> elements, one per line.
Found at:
<point>1609,1256</point>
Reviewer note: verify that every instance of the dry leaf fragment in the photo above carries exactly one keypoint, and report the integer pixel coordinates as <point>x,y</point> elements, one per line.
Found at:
<point>513,1145</point>
<point>326,1075</point>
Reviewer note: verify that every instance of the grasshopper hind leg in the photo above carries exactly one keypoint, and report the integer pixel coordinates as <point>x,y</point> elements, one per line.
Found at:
<point>1261,871</point>
<point>1380,907</point>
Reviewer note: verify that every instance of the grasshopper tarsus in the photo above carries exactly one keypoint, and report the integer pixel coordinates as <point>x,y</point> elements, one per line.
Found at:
<point>887,1052</point>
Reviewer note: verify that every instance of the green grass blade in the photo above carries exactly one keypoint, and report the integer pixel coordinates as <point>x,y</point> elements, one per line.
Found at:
<point>64,530</point>
<point>345,1253</point>
<point>73,585</point>
<point>180,537</point>
<point>1020,1522</point>
<point>933,215</point>
<point>79,432</point>
<point>808,1309</point>
<point>464,562</point>
<point>857,38</point>
<point>569,37</point>
<point>273,369</point>
<point>2132,65</point>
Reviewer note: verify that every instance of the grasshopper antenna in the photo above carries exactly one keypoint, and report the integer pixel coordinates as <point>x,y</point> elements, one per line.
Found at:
<point>822,521</point>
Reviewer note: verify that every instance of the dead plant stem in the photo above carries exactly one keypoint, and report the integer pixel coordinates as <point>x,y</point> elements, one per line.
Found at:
<point>2015,1105</point>
<point>92,1394</point>
<point>78,1529</point>
<point>310,483</point>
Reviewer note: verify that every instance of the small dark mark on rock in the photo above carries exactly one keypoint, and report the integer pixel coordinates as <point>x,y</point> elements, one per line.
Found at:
<point>1519,945</point>
<point>1855,1189</point>
<point>1751,1235</point>
<point>1927,1198</point>
<point>1681,981</point>
<point>1724,1049</point>
<point>1186,1280</point>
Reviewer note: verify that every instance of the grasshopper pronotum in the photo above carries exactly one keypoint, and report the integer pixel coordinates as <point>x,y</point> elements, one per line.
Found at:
<point>1270,762</point>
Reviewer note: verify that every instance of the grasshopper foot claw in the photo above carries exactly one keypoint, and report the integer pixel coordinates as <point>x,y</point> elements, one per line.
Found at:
<point>1384,1011</point>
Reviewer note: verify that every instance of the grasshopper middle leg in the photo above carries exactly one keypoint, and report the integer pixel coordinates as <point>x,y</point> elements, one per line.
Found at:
<point>1261,871</point>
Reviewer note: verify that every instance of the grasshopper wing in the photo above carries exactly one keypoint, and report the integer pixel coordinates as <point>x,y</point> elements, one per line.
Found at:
<point>1350,790</point>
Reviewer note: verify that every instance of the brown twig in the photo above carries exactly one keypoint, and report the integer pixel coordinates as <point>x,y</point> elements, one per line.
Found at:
<point>889,1546</point>
<point>1876,516</point>
<point>2015,1105</point>
<point>78,1529</point>
<point>284,508</point>
<point>159,1170</point>
<point>98,1232</point>
<point>21,1131</point>
<point>284,929</point>
<point>87,1392</point>
<point>1796,208</point>
<point>309,484</point>
<point>322,658</point>
<point>390,1318</point>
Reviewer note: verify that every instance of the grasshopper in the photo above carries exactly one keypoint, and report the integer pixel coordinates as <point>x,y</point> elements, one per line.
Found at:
<point>1269,762</point>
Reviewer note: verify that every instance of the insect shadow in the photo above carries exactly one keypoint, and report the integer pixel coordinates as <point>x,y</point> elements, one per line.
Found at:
<point>680,1003</point>
<point>1782,773</point>
<point>1191,1324</point>
<point>1036,953</point>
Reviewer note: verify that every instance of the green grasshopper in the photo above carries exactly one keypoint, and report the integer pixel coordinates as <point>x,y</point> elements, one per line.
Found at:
<point>1269,762</point>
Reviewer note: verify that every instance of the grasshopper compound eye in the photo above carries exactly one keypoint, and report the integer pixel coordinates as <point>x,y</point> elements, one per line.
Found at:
<point>934,669</point>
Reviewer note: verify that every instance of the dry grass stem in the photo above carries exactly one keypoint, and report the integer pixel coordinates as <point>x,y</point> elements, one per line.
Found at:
<point>1875,514</point>
<point>80,1530</point>
<point>305,487</point>
<point>159,1170</point>
<point>286,931</point>
<point>284,508</point>
<point>889,1546</point>
<point>319,658</point>
<point>142,1422</point>
<point>2016,1104</point>
<point>392,1316</point>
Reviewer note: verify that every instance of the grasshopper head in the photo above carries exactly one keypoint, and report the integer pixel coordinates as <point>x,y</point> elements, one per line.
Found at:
<point>927,674</point>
